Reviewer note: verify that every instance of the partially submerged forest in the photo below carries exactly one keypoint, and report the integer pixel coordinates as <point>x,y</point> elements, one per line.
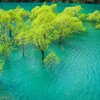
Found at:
<point>40,27</point>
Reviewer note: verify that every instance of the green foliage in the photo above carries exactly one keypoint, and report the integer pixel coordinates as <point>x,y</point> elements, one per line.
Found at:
<point>98,26</point>
<point>43,9</point>
<point>22,37</point>
<point>65,25</point>
<point>42,29</point>
<point>21,12</point>
<point>94,17</point>
<point>82,16</point>
<point>4,19</point>
<point>5,47</point>
<point>73,11</point>
<point>14,18</point>
<point>51,59</point>
<point>41,26</point>
<point>1,66</point>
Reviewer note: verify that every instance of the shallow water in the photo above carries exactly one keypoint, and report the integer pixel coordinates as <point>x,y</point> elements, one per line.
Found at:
<point>77,77</point>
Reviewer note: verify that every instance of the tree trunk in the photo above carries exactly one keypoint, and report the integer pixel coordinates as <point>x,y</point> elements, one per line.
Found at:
<point>60,40</point>
<point>23,51</point>
<point>50,66</point>
<point>42,55</point>
<point>4,35</point>
<point>10,32</point>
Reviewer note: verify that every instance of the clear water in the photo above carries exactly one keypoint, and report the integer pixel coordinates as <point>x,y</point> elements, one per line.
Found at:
<point>77,77</point>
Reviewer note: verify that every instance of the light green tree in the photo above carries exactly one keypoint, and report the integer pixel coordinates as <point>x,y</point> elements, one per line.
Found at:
<point>22,37</point>
<point>94,17</point>
<point>98,26</point>
<point>44,8</point>
<point>73,11</point>
<point>14,18</point>
<point>51,59</point>
<point>5,48</point>
<point>82,16</point>
<point>65,25</point>
<point>22,12</point>
<point>42,31</point>
<point>4,19</point>
<point>1,66</point>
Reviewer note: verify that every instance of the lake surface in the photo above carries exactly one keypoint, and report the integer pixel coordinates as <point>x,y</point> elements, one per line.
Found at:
<point>77,77</point>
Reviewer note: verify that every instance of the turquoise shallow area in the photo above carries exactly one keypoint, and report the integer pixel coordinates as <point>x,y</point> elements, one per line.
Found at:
<point>77,77</point>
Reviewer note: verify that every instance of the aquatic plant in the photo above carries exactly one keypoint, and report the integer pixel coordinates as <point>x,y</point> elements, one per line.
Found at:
<point>51,59</point>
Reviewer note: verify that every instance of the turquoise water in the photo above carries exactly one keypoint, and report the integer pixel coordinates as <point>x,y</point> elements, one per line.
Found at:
<point>77,77</point>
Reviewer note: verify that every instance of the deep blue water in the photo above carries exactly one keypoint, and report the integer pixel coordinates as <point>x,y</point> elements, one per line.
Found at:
<point>77,77</point>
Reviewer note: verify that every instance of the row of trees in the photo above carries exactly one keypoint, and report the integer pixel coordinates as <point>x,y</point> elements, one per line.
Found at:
<point>41,26</point>
<point>67,1</point>
<point>95,17</point>
<point>91,17</point>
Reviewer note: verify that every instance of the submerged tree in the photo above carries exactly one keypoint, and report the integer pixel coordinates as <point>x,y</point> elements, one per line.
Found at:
<point>22,36</point>
<point>14,18</point>
<point>5,48</point>
<point>22,12</point>
<point>51,59</point>
<point>44,8</point>
<point>82,16</point>
<point>98,26</point>
<point>73,11</point>
<point>1,66</point>
<point>65,25</point>
<point>4,19</point>
<point>94,17</point>
<point>42,31</point>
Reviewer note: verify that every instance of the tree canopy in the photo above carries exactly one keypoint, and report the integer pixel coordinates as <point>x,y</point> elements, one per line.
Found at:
<point>51,59</point>
<point>42,29</point>
<point>39,27</point>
